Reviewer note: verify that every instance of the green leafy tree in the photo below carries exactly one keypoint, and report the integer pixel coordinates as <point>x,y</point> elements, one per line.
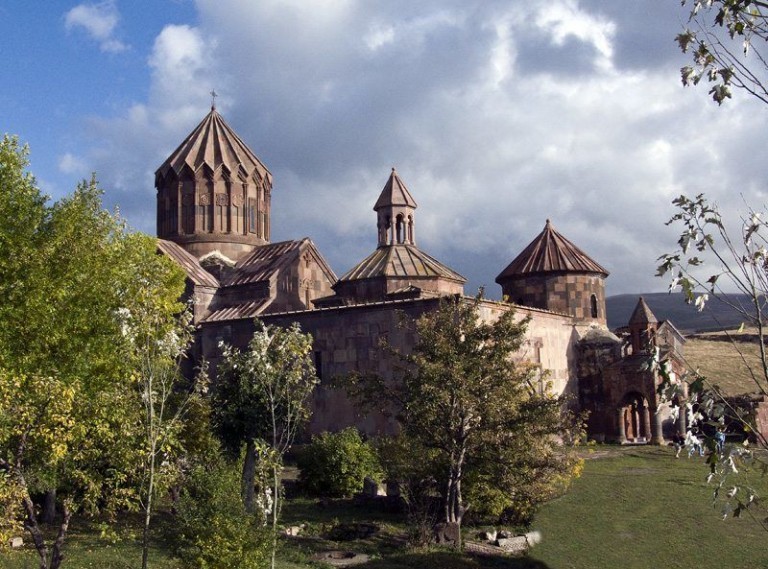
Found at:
<point>212,529</point>
<point>159,333</point>
<point>336,464</point>
<point>414,469</point>
<point>261,399</point>
<point>463,393</point>
<point>69,392</point>
<point>726,40</point>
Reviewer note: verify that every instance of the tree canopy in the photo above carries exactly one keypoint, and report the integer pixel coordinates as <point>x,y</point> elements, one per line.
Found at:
<point>261,400</point>
<point>726,40</point>
<point>466,396</point>
<point>71,276</point>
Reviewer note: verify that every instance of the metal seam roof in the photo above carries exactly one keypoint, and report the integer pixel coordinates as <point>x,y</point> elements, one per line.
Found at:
<point>188,262</point>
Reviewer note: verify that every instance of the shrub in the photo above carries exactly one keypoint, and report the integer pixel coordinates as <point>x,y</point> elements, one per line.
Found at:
<point>413,466</point>
<point>335,464</point>
<point>213,530</point>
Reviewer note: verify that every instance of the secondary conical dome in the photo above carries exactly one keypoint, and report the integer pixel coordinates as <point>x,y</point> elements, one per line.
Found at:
<point>551,252</point>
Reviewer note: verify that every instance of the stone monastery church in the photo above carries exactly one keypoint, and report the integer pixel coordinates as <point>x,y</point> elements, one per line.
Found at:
<point>213,219</point>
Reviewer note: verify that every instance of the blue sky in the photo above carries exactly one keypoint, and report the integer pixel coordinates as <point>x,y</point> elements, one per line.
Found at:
<point>498,114</point>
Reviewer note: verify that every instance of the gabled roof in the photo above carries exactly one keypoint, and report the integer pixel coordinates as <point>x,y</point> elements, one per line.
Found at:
<point>214,144</point>
<point>551,252</point>
<point>667,325</point>
<point>237,311</point>
<point>195,272</point>
<point>394,194</point>
<point>400,261</point>
<point>266,260</point>
<point>642,314</point>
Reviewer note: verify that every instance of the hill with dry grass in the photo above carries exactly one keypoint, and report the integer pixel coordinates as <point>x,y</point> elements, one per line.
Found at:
<point>726,359</point>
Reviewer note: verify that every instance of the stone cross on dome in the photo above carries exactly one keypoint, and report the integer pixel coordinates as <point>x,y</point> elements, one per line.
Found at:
<point>213,95</point>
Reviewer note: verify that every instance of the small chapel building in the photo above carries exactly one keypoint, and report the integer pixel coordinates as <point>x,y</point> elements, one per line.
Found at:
<point>213,219</point>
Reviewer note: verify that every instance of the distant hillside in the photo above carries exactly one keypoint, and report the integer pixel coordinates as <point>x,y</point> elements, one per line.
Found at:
<point>716,316</point>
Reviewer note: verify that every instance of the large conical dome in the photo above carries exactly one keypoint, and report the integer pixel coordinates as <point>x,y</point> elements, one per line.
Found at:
<point>554,274</point>
<point>213,193</point>
<point>214,144</point>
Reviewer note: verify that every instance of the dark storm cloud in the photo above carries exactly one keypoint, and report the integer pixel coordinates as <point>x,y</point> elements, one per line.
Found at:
<point>497,114</point>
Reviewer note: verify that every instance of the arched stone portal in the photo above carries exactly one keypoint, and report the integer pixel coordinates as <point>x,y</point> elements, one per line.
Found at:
<point>634,419</point>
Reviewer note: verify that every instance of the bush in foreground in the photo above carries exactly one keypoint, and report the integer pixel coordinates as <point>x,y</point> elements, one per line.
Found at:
<point>213,530</point>
<point>335,464</point>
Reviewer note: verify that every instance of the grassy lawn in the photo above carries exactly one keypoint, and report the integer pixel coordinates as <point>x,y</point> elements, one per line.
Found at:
<point>643,508</point>
<point>634,507</point>
<point>85,548</point>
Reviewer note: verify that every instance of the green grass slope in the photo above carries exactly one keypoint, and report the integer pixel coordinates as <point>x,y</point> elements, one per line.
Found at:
<point>633,508</point>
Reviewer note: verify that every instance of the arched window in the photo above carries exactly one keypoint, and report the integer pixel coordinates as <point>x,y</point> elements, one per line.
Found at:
<point>252,226</point>
<point>400,229</point>
<point>593,304</point>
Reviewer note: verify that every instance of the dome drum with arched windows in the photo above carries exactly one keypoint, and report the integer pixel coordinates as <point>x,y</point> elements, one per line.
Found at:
<point>213,193</point>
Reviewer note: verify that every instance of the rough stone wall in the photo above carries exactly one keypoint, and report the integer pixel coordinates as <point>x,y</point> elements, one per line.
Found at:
<point>593,359</point>
<point>347,339</point>
<point>528,291</point>
<point>298,284</point>
<point>549,343</point>
<point>202,297</point>
<point>572,294</point>
<point>567,293</point>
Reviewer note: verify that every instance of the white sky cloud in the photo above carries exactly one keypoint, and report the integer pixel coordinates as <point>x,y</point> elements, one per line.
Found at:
<point>497,115</point>
<point>71,164</point>
<point>99,21</point>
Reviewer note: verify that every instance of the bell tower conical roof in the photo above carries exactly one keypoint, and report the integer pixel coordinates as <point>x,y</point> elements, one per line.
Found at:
<point>642,314</point>
<point>642,328</point>
<point>394,193</point>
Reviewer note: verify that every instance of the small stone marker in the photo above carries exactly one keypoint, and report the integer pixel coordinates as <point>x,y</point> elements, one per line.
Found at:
<point>293,531</point>
<point>447,533</point>
<point>533,537</point>
<point>517,544</point>
<point>16,542</point>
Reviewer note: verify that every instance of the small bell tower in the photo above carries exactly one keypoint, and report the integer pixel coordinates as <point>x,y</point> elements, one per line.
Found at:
<point>395,210</point>
<point>643,326</point>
